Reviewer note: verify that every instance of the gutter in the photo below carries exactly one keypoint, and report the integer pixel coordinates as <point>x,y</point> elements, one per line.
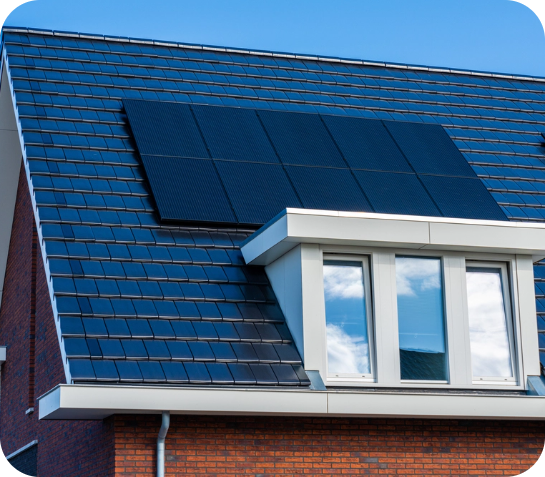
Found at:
<point>80,401</point>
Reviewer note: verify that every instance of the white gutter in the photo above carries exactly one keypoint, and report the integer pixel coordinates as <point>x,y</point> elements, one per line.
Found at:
<point>100,401</point>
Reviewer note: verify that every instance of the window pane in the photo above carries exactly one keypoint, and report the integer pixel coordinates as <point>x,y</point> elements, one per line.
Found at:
<point>420,317</point>
<point>346,318</point>
<point>488,332</point>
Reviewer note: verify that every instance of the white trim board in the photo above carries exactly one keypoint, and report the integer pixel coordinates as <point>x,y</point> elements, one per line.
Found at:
<point>22,449</point>
<point>100,401</point>
<point>293,227</point>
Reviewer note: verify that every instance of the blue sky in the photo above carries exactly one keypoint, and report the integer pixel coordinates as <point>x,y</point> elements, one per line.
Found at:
<point>487,35</point>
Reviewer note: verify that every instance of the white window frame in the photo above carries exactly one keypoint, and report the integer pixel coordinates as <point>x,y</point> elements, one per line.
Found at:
<point>365,263</point>
<point>384,317</point>
<point>507,303</point>
<point>291,247</point>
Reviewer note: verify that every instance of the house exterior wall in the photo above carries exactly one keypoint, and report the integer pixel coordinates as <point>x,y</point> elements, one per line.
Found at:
<point>217,445</point>
<point>199,445</point>
<point>64,447</point>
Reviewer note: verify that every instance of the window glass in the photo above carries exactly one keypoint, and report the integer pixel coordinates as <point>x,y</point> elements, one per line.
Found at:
<point>421,319</point>
<point>488,327</point>
<point>346,318</point>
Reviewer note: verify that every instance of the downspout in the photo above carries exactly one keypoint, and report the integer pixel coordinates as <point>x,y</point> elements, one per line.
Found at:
<point>161,444</point>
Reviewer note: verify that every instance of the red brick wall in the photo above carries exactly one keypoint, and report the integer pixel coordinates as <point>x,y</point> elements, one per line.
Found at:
<point>17,429</point>
<point>65,448</point>
<point>198,445</point>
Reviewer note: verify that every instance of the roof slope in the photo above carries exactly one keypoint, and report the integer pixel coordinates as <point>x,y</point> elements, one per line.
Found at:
<point>183,292</point>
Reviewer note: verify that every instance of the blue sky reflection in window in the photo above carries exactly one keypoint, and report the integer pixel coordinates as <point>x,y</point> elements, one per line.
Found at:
<point>346,318</point>
<point>421,319</point>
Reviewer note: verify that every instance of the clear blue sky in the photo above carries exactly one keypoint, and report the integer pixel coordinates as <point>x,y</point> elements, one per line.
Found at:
<point>486,35</point>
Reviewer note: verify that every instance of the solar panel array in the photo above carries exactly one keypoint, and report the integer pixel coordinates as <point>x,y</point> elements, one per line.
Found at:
<point>100,224</point>
<point>221,164</point>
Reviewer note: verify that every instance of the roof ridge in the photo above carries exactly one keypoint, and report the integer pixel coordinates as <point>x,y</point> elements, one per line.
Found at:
<point>175,44</point>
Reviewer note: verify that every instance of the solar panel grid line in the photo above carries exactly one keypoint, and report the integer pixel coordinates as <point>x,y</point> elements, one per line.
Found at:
<point>346,161</point>
<point>417,176</point>
<point>214,164</point>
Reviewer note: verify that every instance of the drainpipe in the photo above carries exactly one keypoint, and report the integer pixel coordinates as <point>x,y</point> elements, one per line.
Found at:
<point>161,444</point>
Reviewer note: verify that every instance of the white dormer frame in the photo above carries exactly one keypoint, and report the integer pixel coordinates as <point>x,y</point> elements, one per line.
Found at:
<point>292,248</point>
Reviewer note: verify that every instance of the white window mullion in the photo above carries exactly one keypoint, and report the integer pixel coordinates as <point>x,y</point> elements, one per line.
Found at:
<point>385,311</point>
<point>526,325</point>
<point>457,325</point>
<point>313,309</point>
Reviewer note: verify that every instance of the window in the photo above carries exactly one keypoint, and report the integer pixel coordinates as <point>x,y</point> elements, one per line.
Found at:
<point>347,299</point>
<point>490,323</point>
<point>452,318</point>
<point>422,348</point>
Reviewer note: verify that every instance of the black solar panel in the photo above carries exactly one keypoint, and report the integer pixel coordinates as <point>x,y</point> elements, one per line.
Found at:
<point>233,133</point>
<point>164,129</point>
<point>366,144</point>
<point>187,189</point>
<point>396,193</point>
<point>429,149</point>
<point>244,183</point>
<point>257,191</point>
<point>462,197</point>
<point>301,139</point>
<point>328,189</point>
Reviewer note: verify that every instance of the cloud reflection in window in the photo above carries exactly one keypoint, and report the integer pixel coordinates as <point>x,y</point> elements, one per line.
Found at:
<point>346,354</point>
<point>414,275</point>
<point>489,337</point>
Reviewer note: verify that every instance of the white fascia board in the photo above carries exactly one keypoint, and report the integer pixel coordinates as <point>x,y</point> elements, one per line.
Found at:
<point>97,402</point>
<point>295,226</point>
<point>2,355</point>
<point>100,401</point>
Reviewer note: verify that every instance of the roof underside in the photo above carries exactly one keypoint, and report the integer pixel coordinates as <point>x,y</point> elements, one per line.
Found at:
<point>141,300</point>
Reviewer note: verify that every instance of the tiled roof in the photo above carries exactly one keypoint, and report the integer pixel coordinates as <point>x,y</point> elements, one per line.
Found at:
<point>133,292</point>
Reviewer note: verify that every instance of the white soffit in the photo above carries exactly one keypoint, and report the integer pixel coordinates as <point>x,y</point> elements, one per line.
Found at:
<point>295,226</point>
<point>99,401</point>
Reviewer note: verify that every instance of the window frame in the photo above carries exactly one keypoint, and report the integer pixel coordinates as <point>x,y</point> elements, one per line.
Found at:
<point>385,320</point>
<point>367,287</point>
<point>509,317</point>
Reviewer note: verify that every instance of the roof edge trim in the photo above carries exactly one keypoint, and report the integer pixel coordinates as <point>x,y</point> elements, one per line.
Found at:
<point>100,401</point>
<point>295,226</point>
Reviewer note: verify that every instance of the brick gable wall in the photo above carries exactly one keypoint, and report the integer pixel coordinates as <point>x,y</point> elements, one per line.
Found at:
<point>74,448</point>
